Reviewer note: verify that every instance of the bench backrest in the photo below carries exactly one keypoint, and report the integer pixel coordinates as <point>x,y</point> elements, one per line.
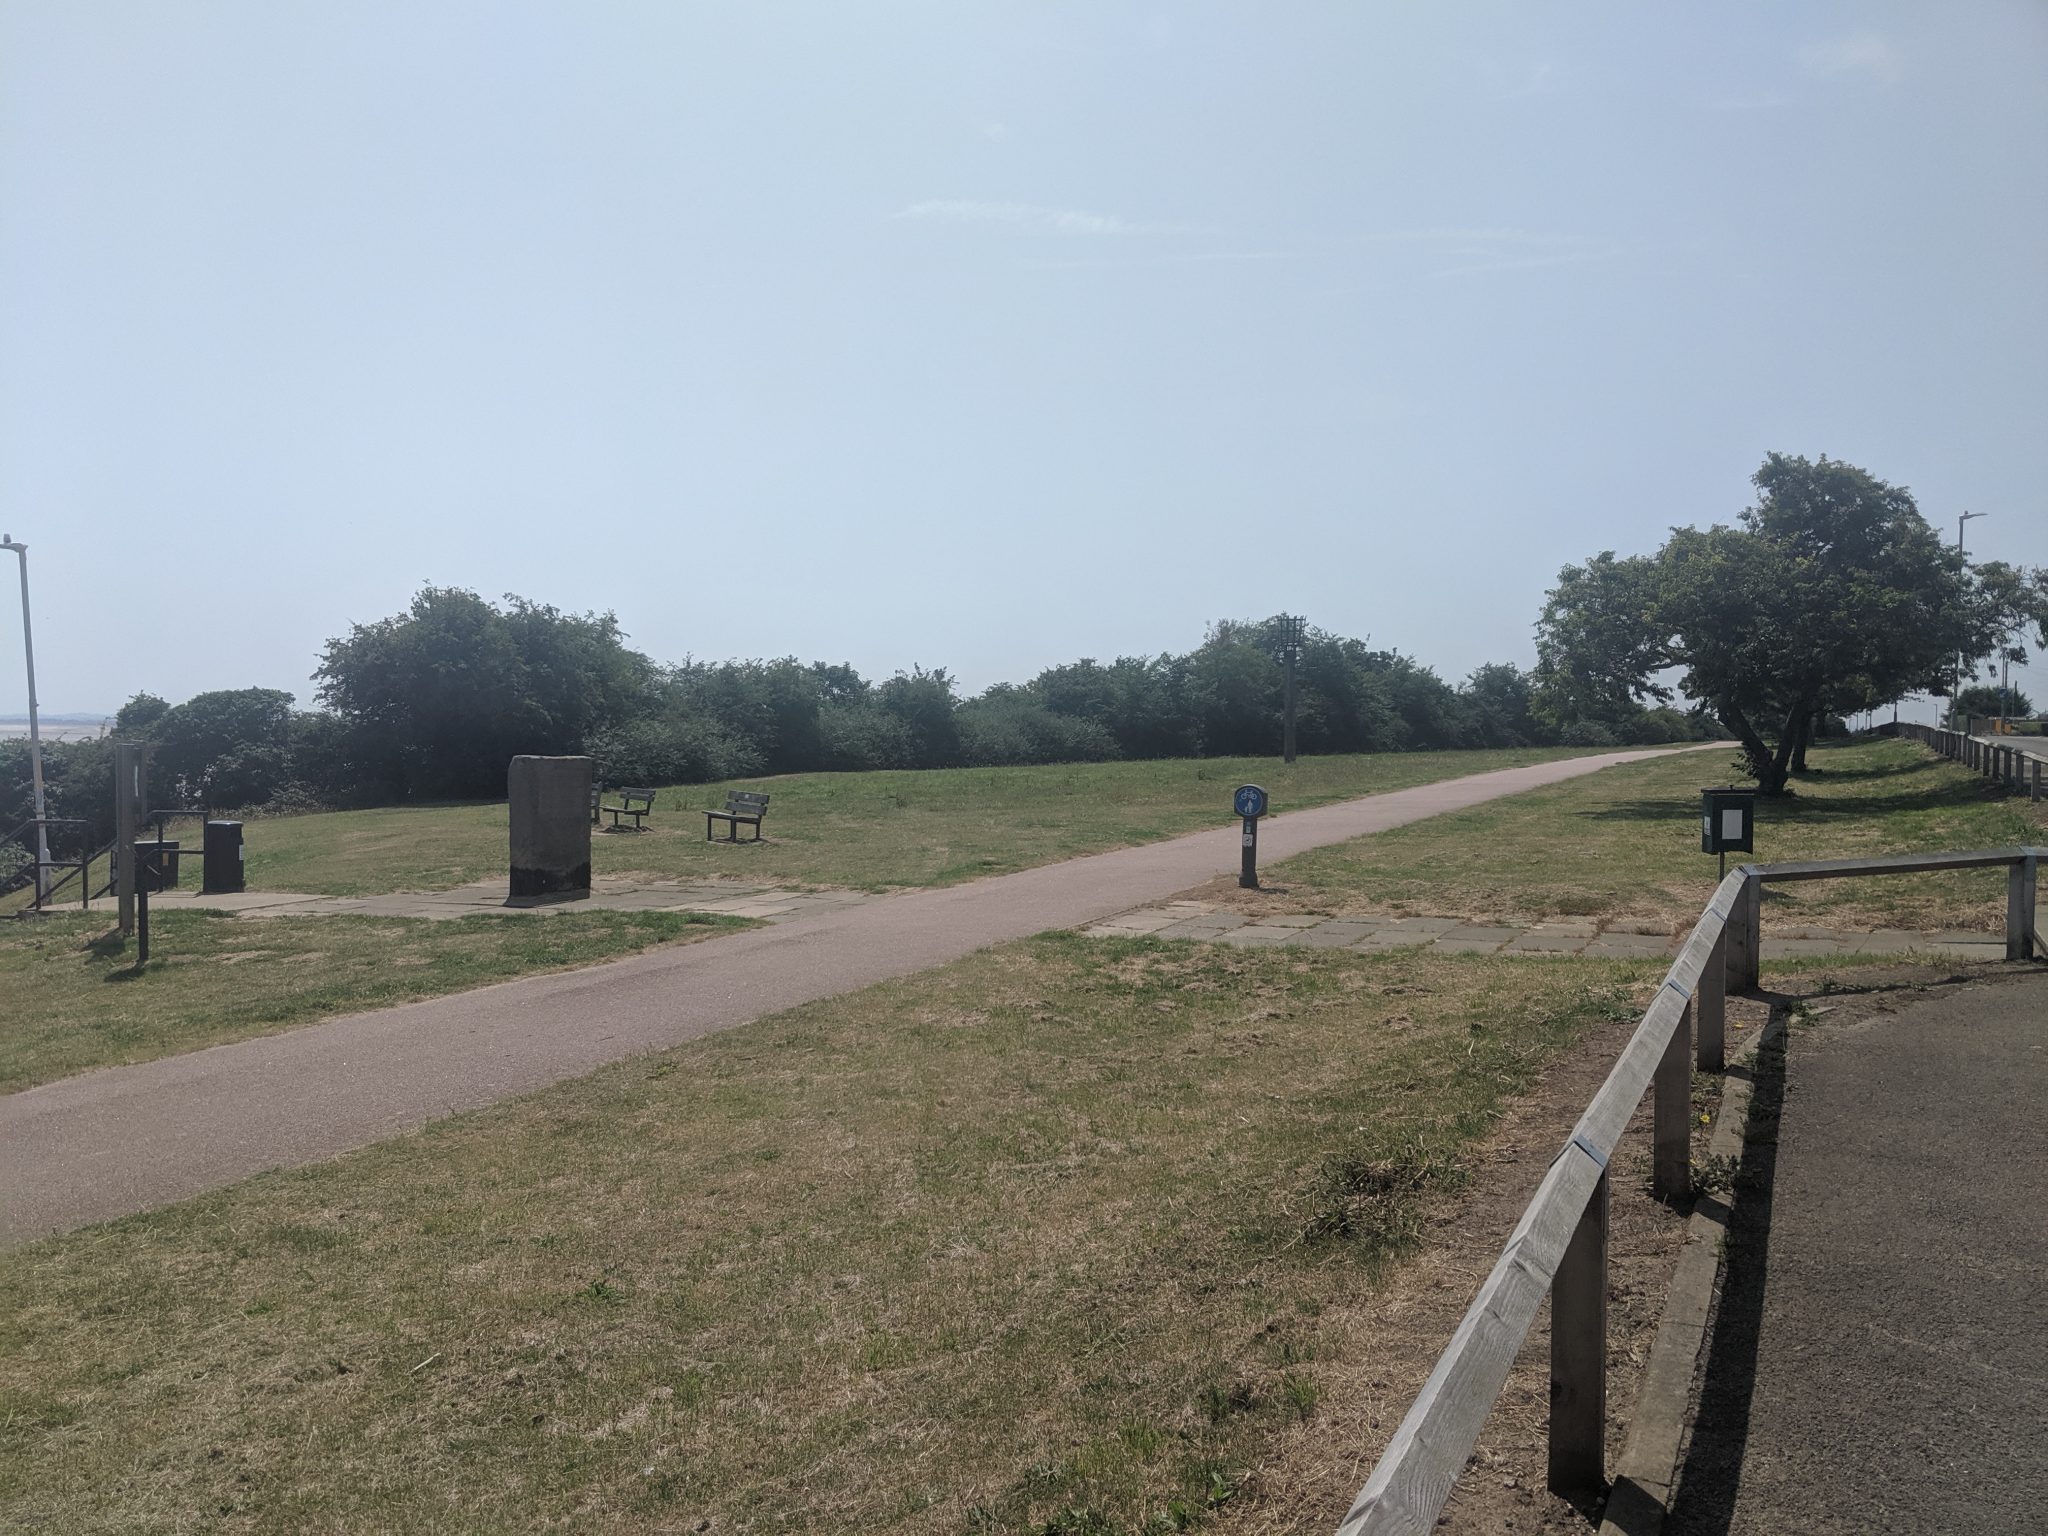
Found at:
<point>746,802</point>
<point>636,799</point>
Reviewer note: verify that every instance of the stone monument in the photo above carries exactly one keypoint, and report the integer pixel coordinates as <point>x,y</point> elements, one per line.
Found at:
<point>550,799</point>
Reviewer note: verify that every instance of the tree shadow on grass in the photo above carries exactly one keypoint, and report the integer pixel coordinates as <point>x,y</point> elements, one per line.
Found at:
<point>1796,810</point>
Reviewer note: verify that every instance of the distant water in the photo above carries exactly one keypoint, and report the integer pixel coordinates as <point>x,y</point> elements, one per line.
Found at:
<point>57,728</point>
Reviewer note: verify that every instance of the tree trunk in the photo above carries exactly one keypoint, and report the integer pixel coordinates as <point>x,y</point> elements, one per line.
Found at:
<point>1764,767</point>
<point>1800,740</point>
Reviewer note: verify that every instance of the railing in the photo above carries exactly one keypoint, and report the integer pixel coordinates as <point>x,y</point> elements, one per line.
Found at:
<point>1560,1245</point>
<point>2017,765</point>
<point>36,873</point>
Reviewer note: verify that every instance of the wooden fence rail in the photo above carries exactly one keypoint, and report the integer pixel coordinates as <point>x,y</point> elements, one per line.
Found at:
<point>1560,1245</point>
<point>2017,761</point>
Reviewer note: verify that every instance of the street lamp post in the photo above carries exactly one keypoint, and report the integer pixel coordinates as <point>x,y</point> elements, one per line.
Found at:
<point>1964,518</point>
<point>35,739</point>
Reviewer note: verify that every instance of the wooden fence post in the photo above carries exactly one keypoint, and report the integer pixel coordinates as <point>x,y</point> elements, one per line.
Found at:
<point>1712,1001</point>
<point>1578,1354</point>
<point>2019,909</point>
<point>1745,936</point>
<point>1671,1115</point>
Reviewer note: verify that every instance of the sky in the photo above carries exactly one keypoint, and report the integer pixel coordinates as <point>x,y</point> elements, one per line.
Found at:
<point>986,336</point>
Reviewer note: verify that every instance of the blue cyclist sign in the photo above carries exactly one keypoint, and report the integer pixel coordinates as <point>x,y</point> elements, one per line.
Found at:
<point>1250,803</point>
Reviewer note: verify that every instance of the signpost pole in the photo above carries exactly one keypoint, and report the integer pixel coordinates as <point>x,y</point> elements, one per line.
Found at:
<point>1250,803</point>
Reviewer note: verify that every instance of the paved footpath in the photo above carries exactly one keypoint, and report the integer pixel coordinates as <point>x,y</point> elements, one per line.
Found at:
<point>1880,1358</point>
<point>106,1143</point>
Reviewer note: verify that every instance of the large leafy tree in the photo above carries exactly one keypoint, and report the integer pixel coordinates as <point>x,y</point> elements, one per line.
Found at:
<point>1830,594</point>
<point>442,696</point>
<point>220,750</point>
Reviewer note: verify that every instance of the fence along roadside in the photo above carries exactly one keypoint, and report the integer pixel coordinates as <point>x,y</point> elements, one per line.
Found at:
<point>1560,1244</point>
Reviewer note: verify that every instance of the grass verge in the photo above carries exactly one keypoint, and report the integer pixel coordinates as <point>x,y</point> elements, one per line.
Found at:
<point>861,831</point>
<point>1624,843</point>
<point>76,999</point>
<point>1045,1240</point>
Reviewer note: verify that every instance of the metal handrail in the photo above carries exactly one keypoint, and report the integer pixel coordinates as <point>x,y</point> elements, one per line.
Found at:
<point>1559,1247</point>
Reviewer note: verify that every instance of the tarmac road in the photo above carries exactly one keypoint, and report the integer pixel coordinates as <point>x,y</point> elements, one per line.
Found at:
<point>1880,1359</point>
<point>126,1139</point>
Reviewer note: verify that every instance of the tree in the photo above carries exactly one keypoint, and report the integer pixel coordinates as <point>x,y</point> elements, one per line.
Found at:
<point>1499,703</point>
<point>442,696</point>
<point>1980,699</point>
<point>1830,595</point>
<point>2005,604</point>
<point>220,750</point>
<point>923,704</point>
<point>1599,647</point>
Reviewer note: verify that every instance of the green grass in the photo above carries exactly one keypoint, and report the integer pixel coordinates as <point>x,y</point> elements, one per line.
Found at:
<point>862,831</point>
<point>1052,1239</point>
<point>1625,843</point>
<point>76,999</point>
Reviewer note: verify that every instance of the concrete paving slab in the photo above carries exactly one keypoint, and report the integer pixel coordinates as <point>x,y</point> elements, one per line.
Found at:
<point>1455,946</point>
<point>1628,946</point>
<point>1324,938</point>
<point>1481,933</point>
<point>1535,942</point>
<point>1391,938</point>
<point>1426,924</point>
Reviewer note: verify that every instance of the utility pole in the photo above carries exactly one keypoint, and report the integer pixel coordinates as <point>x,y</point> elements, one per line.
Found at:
<point>35,739</point>
<point>1290,654</point>
<point>1958,688</point>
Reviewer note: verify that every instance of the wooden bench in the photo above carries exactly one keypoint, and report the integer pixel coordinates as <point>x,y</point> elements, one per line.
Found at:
<point>740,805</point>
<point>636,803</point>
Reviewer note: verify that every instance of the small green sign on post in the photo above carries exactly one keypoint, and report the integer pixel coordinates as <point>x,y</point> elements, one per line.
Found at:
<point>1727,822</point>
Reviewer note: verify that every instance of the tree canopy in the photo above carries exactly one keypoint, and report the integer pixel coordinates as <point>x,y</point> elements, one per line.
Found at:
<point>1830,594</point>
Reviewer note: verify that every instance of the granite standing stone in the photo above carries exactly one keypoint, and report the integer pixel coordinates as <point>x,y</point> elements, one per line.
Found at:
<point>550,801</point>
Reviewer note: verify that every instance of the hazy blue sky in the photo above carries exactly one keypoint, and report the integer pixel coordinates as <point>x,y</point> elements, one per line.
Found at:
<point>986,336</point>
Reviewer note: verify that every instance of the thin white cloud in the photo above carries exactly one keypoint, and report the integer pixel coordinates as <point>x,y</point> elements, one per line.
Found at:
<point>1029,217</point>
<point>1862,53</point>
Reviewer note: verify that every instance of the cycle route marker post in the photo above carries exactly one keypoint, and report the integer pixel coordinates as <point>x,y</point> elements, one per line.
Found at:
<point>1250,803</point>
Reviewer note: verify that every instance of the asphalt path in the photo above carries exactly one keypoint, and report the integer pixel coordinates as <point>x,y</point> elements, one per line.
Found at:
<point>107,1143</point>
<point>1880,1358</point>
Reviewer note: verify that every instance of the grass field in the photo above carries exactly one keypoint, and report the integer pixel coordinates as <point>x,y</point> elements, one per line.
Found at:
<point>1625,843</point>
<point>861,831</point>
<point>1057,1239</point>
<point>1040,1241</point>
<point>76,999</point>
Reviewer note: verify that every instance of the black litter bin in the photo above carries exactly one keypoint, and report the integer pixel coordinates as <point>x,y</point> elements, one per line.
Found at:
<point>220,870</point>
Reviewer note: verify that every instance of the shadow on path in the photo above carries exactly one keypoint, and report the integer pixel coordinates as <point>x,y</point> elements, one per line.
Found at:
<point>1712,1472</point>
